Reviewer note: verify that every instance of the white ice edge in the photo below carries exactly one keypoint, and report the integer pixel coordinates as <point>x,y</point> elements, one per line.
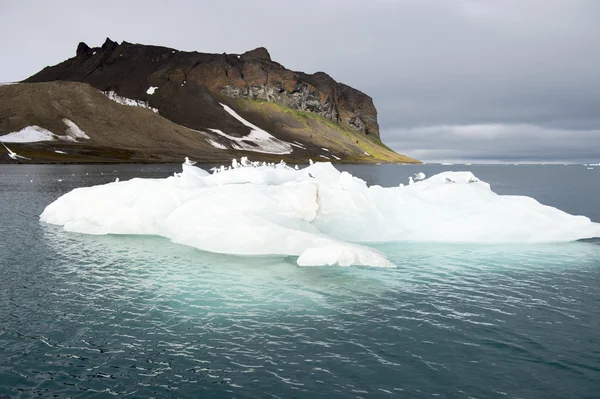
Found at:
<point>317,213</point>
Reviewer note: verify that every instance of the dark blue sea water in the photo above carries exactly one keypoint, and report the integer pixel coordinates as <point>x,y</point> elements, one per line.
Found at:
<point>130,316</point>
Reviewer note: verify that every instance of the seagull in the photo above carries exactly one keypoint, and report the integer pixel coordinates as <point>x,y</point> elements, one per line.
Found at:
<point>12,154</point>
<point>419,176</point>
<point>189,162</point>
<point>449,181</point>
<point>410,180</point>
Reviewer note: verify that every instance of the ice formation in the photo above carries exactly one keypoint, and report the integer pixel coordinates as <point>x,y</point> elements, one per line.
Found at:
<point>317,213</point>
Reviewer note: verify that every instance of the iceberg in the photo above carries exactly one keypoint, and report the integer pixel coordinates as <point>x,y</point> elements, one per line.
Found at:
<point>318,214</point>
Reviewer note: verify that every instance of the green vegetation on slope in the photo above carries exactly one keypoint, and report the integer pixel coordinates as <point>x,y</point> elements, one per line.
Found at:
<point>318,131</point>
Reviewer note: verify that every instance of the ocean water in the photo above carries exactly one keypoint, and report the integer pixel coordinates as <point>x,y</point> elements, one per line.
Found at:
<point>130,316</point>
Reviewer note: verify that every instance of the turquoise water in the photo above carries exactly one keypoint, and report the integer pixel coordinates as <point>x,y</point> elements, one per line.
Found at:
<point>106,316</point>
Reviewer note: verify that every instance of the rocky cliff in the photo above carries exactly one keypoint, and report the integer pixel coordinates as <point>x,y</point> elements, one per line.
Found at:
<point>129,69</point>
<point>224,98</point>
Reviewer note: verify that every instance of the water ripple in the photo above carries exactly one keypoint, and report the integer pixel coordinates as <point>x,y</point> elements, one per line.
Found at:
<point>142,317</point>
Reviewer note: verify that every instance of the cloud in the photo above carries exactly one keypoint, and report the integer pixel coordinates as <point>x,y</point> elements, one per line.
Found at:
<point>426,63</point>
<point>498,143</point>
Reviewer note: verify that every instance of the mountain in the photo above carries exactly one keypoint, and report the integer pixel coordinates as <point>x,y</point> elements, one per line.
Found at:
<point>139,103</point>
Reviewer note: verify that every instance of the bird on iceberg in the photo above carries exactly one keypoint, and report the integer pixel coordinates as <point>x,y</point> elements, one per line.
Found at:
<point>245,162</point>
<point>410,180</point>
<point>189,162</point>
<point>419,176</point>
<point>13,155</point>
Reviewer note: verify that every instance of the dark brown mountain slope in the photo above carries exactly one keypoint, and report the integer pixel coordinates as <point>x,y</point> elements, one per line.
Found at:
<point>209,106</point>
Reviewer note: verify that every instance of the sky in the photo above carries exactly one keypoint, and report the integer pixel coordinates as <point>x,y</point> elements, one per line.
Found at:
<point>452,80</point>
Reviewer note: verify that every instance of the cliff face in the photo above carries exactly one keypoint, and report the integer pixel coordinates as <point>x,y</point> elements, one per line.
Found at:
<point>139,103</point>
<point>130,69</point>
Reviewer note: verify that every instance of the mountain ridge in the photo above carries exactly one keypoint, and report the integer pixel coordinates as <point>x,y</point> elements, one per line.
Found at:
<point>197,91</point>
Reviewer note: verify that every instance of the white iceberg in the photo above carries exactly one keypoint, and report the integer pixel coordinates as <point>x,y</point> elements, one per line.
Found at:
<point>317,213</point>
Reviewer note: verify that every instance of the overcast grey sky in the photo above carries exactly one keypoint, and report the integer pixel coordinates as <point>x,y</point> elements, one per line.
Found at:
<point>471,80</point>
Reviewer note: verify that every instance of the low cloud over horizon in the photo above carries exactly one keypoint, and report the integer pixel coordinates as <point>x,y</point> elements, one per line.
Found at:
<point>452,80</point>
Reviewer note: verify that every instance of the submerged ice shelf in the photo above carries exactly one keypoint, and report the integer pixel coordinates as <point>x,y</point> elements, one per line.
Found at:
<point>318,214</point>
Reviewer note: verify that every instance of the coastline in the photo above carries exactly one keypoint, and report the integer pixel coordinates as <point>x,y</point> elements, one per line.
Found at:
<point>46,153</point>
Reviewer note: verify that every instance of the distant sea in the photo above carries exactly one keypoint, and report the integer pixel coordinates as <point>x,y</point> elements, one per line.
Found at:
<point>132,316</point>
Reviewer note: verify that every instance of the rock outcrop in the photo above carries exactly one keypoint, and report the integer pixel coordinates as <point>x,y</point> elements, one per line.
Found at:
<point>139,103</point>
<point>129,69</point>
